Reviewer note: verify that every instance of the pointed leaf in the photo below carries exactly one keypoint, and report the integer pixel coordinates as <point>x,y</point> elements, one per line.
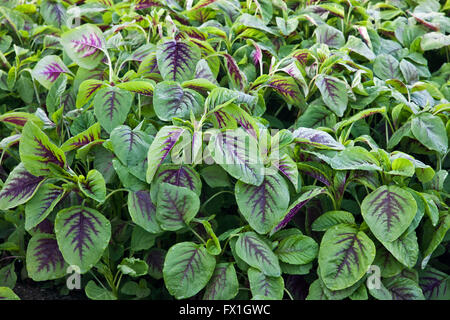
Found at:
<point>316,138</point>
<point>42,204</point>
<point>7,294</point>
<point>388,211</point>
<point>270,288</point>
<point>130,146</point>
<point>82,234</point>
<point>48,69</point>
<point>19,187</point>
<point>430,131</point>
<point>330,36</point>
<point>93,185</point>
<point>83,138</point>
<point>435,284</point>
<point>187,269</point>
<point>334,93</point>
<point>87,90</point>
<point>237,78</point>
<point>37,152</point>
<point>44,260</point>
<point>288,89</point>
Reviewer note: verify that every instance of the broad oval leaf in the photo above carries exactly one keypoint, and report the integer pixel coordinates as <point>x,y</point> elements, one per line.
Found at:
<point>386,67</point>
<point>130,146</point>
<point>176,206</point>
<point>155,261</point>
<point>87,90</point>
<point>171,100</point>
<point>143,211</point>
<point>288,89</point>
<point>402,288</point>
<point>297,249</point>
<point>266,287</point>
<point>255,252</point>
<point>85,45</point>
<point>330,36</point>
<point>405,249</point>
<point>82,234</point>
<point>111,107</point>
<point>177,60</point>
<point>237,152</point>
<point>430,131</point>
<point>345,255</point>
<point>93,185</point>
<point>354,158</point>
<point>37,152</point>
<point>264,205</point>
<point>334,93</point>
<point>44,260</point>
<point>187,269</point>
<point>19,187</point>
<point>48,69</point>
<point>223,284</point>
<point>42,204</point>
<point>434,284</point>
<point>388,211</point>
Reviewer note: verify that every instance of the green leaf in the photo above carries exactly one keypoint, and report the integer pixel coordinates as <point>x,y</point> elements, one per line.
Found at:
<point>171,100</point>
<point>82,234</point>
<point>254,251</point>
<point>345,255</point>
<point>332,218</point>
<point>430,131</point>
<point>264,205</point>
<point>270,288</point>
<point>334,93</point>
<point>96,292</point>
<point>405,249</point>
<point>176,206</point>
<point>223,284</point>
<point>111,107</point>
<point>7,294</point>
<point>330,36</point>
<point>133,267</point>
<point>48,69</point>
<point>83,138</point>
<point>37,152</point>
<point>388,211</point>
<point>93,186</point>
<point>188,267</point>
<point>386,67</point>
<point>143,211</point>
<point>297,249</point>
<point>85,45</point>
<point>437,237</point>
<point>354,158</point>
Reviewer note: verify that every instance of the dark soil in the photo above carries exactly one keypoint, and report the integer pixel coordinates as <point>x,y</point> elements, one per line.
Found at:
<point>30,290</point>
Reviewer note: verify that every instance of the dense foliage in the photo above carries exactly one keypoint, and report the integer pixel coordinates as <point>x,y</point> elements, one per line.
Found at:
<point>225,149</point>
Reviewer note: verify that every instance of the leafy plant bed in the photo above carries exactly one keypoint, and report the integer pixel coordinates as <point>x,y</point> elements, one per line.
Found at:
<point>224,149</point>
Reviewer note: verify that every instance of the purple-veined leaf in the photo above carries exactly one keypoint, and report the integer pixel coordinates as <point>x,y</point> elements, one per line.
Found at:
<point>223,284</point>
<point>389,266</point>
<point>330,36</point>
<point>20,186</point>
<point>265,287</point>
<point>288,167</point>
<point>159,150</point>
<point>171,100</point>
<point>130,146</point>
<point>293,69</point>
<point>42,204</point>
<point>82,234</point>
<point>187,269</point>
<point>53,12</point>
<point>87,90</point>
<point>316,291</point>
<point>297,249</point>
<point>263,206</point>
<point>255,252</point>
<point>9,141</point>
<point>19,118</point>
<point>83,138</point>
<point>85,45</point>
<point>111,107</point>
<point>301,56</point>
<point>45,226</point>
<point>237,152</point>
<point>44,260</point>
<point>345,255</point>
<point>202,3</point>
<point>402,288</point>
<point>8,276</point>
<point>143,211</point>
<point>386,67</point>
<point>144,88</point>
<point>177,175</point>
<point>311,169</point>
<point>203,71</point>
<point>93,185</point>
<point>334,93</point>
<point>37,152</point>
<point>144,4</point>
<point>288,89</point>
<point>360,115</point>
<point>435,284</point>
<point>155,262</point>
<point>149,68</point>
<point>128,180</point>
<point>388,211</point>
<point>176,206</point>
<point>48,69</point>
<point>221,96</point>
<point>317,138</point>
<point>295,207</point>
<point>238,80</point>
<point>177,60</point>
<point>202,86</point>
